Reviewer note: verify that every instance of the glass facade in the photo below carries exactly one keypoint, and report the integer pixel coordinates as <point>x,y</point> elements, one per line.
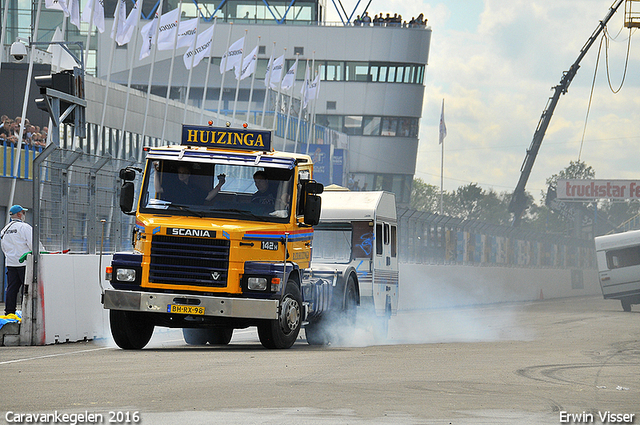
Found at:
<point>356,125</point>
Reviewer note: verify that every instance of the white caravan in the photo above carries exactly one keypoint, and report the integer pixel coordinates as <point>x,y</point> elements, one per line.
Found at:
<point>357,241</point>
<point>618,258</point>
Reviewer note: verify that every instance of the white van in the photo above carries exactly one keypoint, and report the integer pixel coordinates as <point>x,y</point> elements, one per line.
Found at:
<point>618,258</point>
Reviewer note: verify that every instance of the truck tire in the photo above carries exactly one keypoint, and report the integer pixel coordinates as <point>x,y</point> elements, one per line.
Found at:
<point>338,326</point>
<point>283,331</point>
<point>626,304</point>
<point>219,336</point>
<point>130,330</point>
<point>214,336</point>
<point>195,336</point>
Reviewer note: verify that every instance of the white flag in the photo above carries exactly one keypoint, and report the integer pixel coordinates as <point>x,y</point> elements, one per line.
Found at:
<point>290,78</point>
<point>57,5</point>
<point>305,84</point>
<point>233,56</point>
<point>168,27</point>
<point>74,12</point>
<point>119,21</point>
<point>187,32</point>
<point>201,50</point>
<point>249,64</point>
<point>443,127</point>
<point>267,73</point>
<point>98,13</point>
<point>148,33</point>
<point>312,90</point>
<point>275,75</point>
<point>60,58</point>
<point>125,32</point>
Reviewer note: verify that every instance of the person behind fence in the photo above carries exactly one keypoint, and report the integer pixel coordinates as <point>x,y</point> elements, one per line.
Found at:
<point>16,241</point>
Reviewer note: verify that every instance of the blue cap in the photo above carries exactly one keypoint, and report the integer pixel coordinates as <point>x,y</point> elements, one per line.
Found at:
<point>16,209</point>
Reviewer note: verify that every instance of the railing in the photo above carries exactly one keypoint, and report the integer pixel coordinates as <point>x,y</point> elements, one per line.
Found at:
<point>8,152</point>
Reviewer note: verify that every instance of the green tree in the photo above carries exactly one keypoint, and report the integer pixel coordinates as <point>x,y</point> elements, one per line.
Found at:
<point>424,196</point>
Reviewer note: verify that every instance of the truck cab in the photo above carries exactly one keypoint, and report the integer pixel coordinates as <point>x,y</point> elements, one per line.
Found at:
<point>223,232</point>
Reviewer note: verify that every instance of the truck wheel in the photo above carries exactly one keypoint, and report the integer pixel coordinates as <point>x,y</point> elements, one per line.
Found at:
<point>219,336</point>
<point>626,304</point>
<point>315,333</point>
<point>283,331</point>
<point>338,326</point>
<point>195,336</point>
<point>130,330</point>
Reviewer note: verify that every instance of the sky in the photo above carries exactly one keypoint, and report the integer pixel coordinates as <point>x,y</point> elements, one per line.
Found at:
<point>495,63</point>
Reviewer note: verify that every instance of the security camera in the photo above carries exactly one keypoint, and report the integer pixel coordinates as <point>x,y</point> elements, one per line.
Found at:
<point>18,50</point>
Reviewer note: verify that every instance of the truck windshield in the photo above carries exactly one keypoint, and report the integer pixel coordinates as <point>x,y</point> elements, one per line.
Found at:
<point>332,244</point>
<point>217,190</point>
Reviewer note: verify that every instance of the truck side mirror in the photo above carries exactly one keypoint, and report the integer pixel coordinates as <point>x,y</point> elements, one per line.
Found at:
<point>126,197</point>
<point>313,187</point>
<point>312,209</point>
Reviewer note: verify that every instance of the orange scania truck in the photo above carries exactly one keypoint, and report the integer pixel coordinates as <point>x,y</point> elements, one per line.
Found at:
<point>222,241</point>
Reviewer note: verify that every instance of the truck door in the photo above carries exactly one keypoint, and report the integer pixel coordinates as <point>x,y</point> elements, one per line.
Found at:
<point>386,267</point>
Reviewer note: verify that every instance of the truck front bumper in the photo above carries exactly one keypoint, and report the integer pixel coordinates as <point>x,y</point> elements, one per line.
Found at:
<point>152,302</point>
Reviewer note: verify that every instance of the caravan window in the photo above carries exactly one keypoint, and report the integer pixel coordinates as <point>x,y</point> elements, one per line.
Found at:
<point>394,241</point>
<point>624,257</point>
<point>379,239</point>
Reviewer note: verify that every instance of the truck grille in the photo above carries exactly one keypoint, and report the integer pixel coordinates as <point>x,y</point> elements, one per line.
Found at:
<point>189,261</point>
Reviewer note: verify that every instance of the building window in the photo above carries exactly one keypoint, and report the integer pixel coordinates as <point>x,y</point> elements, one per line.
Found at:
<point>298,51</point>
<point>331,104</point>
<point>262,50</point>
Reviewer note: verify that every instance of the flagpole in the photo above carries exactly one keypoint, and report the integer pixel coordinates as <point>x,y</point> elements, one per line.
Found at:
<point>224,66</point>
<point>173,58</point>
<point>293,85</point>
<point>206,78</point>
<point>278,93</point>
<point>27,89</point>
<point>442,135</point>
<point>267,83</point>
<point>138,4</point>
<point>305,87</point>
<point>253,79</point>
<point>310,109</point>
<point>238,75</point>
<point>86,50</point>
<point>3,35</point>
<point>193,57</point>
<point>313,114</point>
<point>153,62</point>
<point>109,68</point>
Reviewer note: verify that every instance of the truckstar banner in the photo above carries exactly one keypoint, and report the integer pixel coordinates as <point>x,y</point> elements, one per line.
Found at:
<point>584,190</point>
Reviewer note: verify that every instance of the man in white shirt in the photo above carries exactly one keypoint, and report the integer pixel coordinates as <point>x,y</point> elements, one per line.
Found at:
<point>16,240</point>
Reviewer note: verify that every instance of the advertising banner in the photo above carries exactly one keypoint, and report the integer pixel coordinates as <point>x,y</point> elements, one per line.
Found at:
<point>321,157</point>
<point>584,190</point>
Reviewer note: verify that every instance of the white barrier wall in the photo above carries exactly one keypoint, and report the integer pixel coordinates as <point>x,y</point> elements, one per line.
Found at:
<point>436,286</point>
<point>70,308</point>
<point>70,290</point>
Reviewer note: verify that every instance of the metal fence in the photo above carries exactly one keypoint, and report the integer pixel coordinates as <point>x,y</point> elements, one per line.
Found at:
<point>76,202</point>
<point>429,238</point>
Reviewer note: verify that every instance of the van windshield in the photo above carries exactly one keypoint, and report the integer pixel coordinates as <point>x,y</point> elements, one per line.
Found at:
<point>217,190</point>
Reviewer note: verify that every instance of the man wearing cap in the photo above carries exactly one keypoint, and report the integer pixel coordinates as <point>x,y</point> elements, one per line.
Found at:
<point>16,240</point>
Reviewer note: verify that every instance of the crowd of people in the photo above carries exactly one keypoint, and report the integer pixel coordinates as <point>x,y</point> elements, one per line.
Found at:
<point>33,135</point>
<point>390,21</point>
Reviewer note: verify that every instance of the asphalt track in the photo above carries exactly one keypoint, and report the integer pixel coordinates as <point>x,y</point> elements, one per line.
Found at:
<point>517,363</point>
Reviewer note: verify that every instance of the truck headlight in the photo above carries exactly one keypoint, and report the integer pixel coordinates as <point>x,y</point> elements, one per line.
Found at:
<point>126,275</point>
<point>257,283</point>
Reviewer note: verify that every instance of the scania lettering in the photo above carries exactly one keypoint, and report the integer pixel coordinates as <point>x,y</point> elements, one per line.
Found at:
<point>222,240</point>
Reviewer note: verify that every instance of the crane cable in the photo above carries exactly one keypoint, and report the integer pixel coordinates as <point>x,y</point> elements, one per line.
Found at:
<point>604,38</point>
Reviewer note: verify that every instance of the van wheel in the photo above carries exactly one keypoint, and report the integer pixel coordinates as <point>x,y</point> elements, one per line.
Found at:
<point>626,304</point>
<point>131,330</point>
<point>283,331</point>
